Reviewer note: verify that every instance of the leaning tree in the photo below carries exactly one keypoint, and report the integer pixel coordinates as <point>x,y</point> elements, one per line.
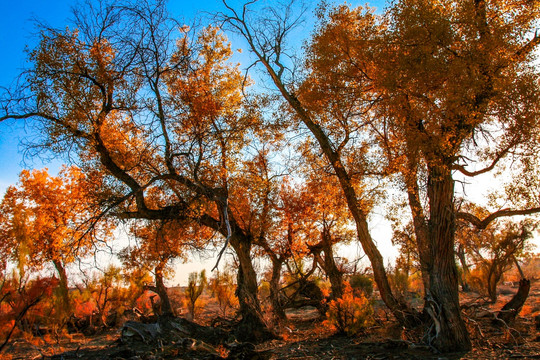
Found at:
<point>426,90</point>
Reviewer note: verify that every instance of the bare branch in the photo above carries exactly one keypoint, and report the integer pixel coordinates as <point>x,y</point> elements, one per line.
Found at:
<point>483,223</point>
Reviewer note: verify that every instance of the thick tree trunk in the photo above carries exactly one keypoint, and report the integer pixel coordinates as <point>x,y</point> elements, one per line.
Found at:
<point>252,326</point>
<point>63,287</point>
<point>449,331</point>
<point>166,308</point>
<point>509,311</point>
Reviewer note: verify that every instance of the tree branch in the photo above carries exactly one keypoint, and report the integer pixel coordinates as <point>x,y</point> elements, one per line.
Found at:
<point>461,168</point>
<point>482,224</point>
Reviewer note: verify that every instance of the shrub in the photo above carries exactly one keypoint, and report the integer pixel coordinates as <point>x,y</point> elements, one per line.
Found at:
<point>476,281</point>
<point>399,281</point>
<point>196,284</point>
<point>349,314</point>
<point>223,287</point>
<point>361,283</point>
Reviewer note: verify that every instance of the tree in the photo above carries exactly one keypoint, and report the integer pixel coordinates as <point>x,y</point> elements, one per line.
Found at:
<point>494,250</point>
<point>332,226</point>
<point>196,284</point>
<point>415,64</point>
<point>107,292</point>
<point>256,207</point>
<point>22,295</point>
<point>151,107</point>
<point>222,285</point>
<point>303,220</point>
<point>160,243</point>
<point>424,87</point>
<point>48,219</point>
<point>407,262</point>
<point>266,36</point>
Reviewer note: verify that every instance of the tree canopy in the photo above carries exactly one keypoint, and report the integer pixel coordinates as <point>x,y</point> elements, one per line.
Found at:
<point>170,136</point>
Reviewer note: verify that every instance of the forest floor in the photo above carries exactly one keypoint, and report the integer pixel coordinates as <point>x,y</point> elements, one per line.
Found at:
<point>306,337</point>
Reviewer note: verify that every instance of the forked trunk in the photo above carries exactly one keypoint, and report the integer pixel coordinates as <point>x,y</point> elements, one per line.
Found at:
<point>332,271</point>
<point>449,332</point>
<point>252,326</point>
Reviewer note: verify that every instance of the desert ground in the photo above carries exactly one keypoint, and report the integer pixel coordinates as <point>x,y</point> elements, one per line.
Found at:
<point>305,336</point>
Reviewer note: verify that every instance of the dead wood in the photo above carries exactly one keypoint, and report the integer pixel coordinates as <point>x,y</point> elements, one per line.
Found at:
<point>171,329</point>
<point>307,294</point>
<point>509,311</point>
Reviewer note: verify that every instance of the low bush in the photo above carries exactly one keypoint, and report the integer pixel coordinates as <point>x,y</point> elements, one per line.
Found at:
<point>350,314</point>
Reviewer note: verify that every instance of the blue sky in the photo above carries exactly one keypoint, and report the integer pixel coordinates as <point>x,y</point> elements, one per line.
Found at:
<point>17,31</point>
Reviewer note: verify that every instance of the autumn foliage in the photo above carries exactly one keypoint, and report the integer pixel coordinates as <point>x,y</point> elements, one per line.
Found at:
<point>351,314</point>
<point>383,113</point>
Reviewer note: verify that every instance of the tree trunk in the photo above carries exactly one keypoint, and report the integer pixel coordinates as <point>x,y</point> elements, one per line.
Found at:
<point>277,307</point>
<point>494,276</point>
<point>252,326</point>
<point>509,311</point>
<point>520,270</point>
<point>63,287</point>
<point>404,314</point>
<point>334,274</point>
<point>449,331</point>
<point>461,255</point>
<point>166,308</point>
<point>421,229</point>
<point>399,308</point>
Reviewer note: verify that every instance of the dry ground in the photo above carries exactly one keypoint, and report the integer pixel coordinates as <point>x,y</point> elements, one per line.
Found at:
<point>304,337</point>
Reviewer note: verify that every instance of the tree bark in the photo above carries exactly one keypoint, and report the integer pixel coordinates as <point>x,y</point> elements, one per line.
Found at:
<point>400,309</point>
<point>277,306</point>
<point>63,287</point>
<point>511,309</point>
<point>450,333</point>
<point>461,255</point>
<point>166,308</point>
<point>421,229</point>
<point>252,326</point>
<point>334,274</point>
<point>494,276</point>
